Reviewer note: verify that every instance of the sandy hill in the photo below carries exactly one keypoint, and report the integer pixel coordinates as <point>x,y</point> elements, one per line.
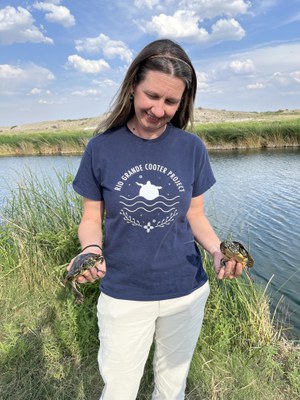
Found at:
<point>201,115</point>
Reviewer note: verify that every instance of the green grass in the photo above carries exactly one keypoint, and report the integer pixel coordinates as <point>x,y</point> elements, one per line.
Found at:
<point>256,134</point>
<point>230,135</point>
<point>48,346</point>
<point>43,143</point>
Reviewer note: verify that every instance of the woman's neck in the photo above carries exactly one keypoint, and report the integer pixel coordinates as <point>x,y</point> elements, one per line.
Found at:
<point>144,133</point>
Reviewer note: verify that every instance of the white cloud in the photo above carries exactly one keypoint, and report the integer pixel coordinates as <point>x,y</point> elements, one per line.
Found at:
<point>17,76</point>
<point>146,3</point>
<point>35,91</point>
<point>38,91</point>
<point>57,2</point>
<point>202,80</point>
<point>184,25</point>
<point>206,9</point>
<point>255,86</point>
<point>104,83</point>
<point>9,72</point>
<point>52,102</point>
<point>20,80</point>
<point>87,66</point>
<point>103,44</point>
<point>227,29</point>
<point>53,1</point>
<point>295,76</point>
<point>214,8</point>
<point>56,13</point>
<point>86,92</point>
<point>17,26</point>
<point>240,66</point>
<point>286,78</point>
<point>272,71</point>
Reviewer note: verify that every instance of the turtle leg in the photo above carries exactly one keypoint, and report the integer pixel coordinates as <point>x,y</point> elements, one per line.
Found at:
<point>224,261</point>
<point>78,295</point>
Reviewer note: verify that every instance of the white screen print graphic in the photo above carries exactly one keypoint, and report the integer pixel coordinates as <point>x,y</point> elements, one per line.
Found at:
<point>149,196</point>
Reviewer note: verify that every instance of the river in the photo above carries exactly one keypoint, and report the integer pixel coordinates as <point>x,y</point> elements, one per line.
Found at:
<point>256,200</point>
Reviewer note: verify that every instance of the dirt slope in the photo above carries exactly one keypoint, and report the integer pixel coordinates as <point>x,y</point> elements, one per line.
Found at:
<point>201,115</point>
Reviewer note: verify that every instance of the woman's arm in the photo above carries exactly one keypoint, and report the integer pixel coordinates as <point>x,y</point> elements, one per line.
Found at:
<point>90,227</point>
<point>90,232</point>
<point>207,238</point>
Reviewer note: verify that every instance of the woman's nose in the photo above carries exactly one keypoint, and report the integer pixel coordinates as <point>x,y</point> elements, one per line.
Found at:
<point>158,110</point>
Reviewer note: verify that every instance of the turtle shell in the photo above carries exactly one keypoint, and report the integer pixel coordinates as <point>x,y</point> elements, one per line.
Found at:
<point>82,263</point>
<point>236,250</point>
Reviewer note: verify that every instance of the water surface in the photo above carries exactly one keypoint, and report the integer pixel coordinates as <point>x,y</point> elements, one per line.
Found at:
<point>255,200</point>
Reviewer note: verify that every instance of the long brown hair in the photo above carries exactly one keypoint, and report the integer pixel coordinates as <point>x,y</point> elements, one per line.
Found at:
<point>165,56</point>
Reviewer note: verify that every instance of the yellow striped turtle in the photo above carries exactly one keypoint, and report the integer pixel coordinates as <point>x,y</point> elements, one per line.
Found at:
<point>80,266</point>
<point>236,250</point>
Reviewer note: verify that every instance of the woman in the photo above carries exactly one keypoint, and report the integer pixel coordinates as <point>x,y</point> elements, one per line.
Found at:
<point>149,176</point>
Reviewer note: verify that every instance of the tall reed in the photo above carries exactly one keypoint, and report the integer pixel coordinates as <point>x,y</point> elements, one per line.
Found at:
<point>63,142</point>
<point>255,134</point>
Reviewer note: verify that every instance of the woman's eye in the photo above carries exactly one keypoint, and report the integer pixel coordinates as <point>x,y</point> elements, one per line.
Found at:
<point>171,102</point>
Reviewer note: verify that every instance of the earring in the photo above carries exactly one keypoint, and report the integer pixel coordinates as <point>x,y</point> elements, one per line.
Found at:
<point>131,96</point>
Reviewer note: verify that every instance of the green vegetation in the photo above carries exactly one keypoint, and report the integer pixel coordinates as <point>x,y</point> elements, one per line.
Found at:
<point>229,135</point>
<point>63,142</point>
<point>255,134</point>
<point>48,345</point>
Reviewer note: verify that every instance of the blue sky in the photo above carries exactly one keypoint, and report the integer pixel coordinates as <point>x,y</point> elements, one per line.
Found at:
<point>63,59</point>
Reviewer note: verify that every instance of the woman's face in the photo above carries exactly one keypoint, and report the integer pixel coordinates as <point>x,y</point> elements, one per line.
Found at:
<point>156,100</point>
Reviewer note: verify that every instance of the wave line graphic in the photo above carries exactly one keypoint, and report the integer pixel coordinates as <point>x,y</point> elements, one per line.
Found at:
<point>148,205</point>
<point>138,196</point>
<point>149,211</point>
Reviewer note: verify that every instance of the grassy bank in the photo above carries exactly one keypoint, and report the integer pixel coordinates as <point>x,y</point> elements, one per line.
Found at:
<point>250,135</point>
<point>48,346</point>
<point>229,135</point>
<point>62,142</point>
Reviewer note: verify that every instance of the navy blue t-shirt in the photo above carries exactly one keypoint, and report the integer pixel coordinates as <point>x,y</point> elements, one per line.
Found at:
<point>147,186</point>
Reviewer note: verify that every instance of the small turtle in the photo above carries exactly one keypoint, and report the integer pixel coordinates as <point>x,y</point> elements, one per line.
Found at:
<point>235,250</point>
<point>81,264</point>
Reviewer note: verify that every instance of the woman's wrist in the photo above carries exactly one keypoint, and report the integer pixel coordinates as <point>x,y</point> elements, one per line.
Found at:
<point>92,247</point>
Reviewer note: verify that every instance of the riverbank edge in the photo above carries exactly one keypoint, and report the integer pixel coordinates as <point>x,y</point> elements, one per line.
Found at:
<point>236,135</point>
<point>14,152</point>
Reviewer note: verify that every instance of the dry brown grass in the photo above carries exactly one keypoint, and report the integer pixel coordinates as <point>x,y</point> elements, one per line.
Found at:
<point>201,115</point>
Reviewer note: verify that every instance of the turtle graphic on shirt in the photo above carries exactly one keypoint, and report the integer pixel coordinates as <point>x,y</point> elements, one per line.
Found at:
<point>148,190</point>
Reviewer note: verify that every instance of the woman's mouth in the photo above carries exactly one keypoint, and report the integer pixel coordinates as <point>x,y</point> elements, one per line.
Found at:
<point>152,118</point>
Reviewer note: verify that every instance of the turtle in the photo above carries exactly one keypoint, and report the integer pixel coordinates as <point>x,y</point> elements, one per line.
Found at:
<point>81,264</point>
<point>236,250</point>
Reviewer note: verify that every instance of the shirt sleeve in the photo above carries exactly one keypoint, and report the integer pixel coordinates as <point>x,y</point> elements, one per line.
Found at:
<point>204,177</point>
<point>88,177</point>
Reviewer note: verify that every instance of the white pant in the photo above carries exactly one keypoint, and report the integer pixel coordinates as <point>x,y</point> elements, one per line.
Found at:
<point>126,331</point>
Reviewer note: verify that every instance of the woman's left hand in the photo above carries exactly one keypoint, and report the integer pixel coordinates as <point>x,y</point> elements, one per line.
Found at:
<point>231,270</point>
